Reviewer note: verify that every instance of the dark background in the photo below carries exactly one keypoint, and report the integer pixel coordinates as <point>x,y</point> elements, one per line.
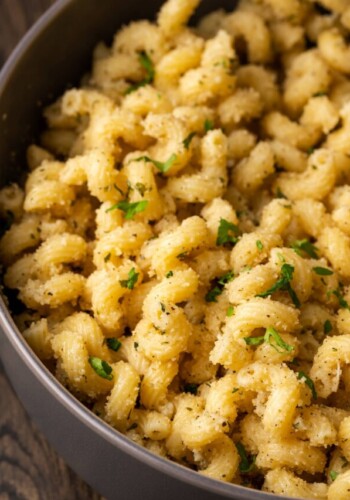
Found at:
<point>29,468</point>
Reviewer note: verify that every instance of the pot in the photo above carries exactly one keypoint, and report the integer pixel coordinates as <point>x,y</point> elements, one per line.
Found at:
<point>51,57</point>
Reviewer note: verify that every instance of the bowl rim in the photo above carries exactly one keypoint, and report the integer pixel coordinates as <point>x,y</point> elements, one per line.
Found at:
<point>49,381</point>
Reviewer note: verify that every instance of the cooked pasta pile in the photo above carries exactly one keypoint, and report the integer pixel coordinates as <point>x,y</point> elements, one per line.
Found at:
<point>182,241</point>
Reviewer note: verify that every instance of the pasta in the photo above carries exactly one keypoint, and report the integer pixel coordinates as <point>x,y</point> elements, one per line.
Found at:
<point>181,244</point>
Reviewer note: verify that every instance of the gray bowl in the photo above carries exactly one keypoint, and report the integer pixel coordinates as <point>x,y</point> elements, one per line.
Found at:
<point>53,55</point>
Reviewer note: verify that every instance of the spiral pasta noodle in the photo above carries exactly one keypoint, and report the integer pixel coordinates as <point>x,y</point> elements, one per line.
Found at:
<point>181,243</point>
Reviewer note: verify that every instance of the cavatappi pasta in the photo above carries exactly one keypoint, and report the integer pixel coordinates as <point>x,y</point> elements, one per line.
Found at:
<point>181,244</point>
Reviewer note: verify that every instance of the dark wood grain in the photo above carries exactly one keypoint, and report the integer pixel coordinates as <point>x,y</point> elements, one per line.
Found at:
<point>29,468</point>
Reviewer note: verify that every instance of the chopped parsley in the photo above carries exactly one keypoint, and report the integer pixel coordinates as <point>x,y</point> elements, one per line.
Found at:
<point>219,286</point>
<point>333,475</point>
<point>161,166</point>
<point>305,246</point>
<point>259,245</point>
<point>169,274</point>
<point>107,257</point>
<point>271,337</point>
<point>234,390</point>
<point>187,142</point>
<point>147,63</point>
<point>247,463</point>
<point>213,294</point>
<point>208,125</point>
<point>191,388</point>
<point>131,281</point>
<point>302,376</point>
<point>226,278</point>
<point>136,345</point>
<point>342,302</point>
<point>322,271</point>
<point>254,340</point>
<point>283,284</point>
<point>230,311</point>
<point>227,233</point>
<point>129,209</point>
<point>101,367</point>
<point>327,327</point>
<point>320,94</point>
<point>310,151</point>
<point>113,343</point>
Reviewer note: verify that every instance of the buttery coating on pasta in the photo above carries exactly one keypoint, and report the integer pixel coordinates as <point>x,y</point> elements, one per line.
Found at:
<point>181,245</point>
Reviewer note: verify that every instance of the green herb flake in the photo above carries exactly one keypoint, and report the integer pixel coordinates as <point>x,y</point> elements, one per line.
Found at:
<point>259,245</point>
<point>219,285</point>
<point>101,368</point>
<point>327,327</point>
<point>322,271</point>
<point>129,209</point>
<point>306,246</point>
<point>227,233</point>
<point>107,257</point>
<point>169,274</point>
<point>131,281</point>
<point>234,390</point>
<point>208,125</point>
<point>113,343</point>
<point>230,311</point>
<point>247,463</point>
<point>333,475</point>
<point>320,94</point>
<point>226,278</point>
<point>302,376</point>
<point>187,142</point>
<point>147,63</point>
<point>270,334</point>
<point>191,388</point>
<point>310,151</point>
<point>342,302</point>
<point>213,294</point>
<point>161,166</point>
<point>254,340</point>
<point>283,284</point>
<point>136,345</point>
<point>273,338</point>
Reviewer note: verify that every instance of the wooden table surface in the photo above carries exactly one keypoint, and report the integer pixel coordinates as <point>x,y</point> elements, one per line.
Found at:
<point>29,468</point>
